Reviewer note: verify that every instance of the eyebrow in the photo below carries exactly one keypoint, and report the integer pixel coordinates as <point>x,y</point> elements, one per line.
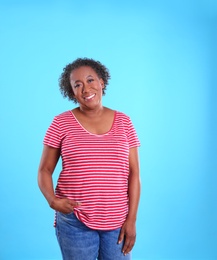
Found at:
<point>78,80</point>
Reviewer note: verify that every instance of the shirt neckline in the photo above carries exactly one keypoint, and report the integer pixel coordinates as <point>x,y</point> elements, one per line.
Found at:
<point>99,135</point>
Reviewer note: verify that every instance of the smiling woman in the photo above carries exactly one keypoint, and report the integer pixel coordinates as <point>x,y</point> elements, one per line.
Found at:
<point>64,81</point>
<point>97,195</point>
<point>86,86</point>
<point>87,89</point>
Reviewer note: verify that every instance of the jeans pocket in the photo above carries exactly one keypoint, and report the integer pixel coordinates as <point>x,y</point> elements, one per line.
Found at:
<point>68,214</point>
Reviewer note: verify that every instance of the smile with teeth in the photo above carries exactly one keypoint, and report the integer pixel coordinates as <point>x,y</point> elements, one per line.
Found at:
<point>89,97</point>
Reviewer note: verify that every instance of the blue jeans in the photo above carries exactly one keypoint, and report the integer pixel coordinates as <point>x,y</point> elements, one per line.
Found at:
<point>78,242</point>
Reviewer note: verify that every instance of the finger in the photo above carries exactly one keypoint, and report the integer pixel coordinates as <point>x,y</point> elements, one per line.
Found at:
<point>128,245</point>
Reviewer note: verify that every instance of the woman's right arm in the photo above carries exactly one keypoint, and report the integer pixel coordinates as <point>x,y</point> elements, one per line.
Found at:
<point>49,159</point>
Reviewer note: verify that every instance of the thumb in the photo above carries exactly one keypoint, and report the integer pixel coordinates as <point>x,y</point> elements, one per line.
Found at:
<point>75,203</point>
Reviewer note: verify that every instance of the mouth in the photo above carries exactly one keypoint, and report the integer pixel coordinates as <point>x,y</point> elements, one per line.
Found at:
<point>89,97</point>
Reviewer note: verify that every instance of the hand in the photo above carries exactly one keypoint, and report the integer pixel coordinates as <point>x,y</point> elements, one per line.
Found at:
<point>65,206</point>
<point>128,234</point>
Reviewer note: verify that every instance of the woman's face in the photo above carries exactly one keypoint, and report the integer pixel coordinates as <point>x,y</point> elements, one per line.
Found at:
<point>87,86</point>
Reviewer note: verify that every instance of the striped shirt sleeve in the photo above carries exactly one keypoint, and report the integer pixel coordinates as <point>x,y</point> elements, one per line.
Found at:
<point>53,136</point>
<point>132,135</point>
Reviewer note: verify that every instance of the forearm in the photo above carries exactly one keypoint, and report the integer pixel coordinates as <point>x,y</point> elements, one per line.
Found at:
<point>45,183</point>
<point>128,230</point>
<point>134,187</point>
<point>47,165</point>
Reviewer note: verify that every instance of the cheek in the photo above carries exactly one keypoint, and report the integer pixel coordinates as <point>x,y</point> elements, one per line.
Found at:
<point>74,91</point>
<point>100,87</point>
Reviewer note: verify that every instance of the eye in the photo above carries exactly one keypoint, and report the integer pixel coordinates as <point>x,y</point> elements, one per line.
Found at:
<point>90,80</point>
<point>77,85</point>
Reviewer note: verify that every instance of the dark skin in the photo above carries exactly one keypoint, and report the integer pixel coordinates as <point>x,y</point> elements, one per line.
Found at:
<point>87,88</point>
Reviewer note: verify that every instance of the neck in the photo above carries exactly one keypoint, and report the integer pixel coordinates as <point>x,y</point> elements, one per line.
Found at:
<point>91,112</point>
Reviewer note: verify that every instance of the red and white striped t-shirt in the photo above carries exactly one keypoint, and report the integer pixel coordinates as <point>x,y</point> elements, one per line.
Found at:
<point>95,168</point>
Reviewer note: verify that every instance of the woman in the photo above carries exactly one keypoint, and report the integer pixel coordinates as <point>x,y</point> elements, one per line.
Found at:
<point>97,193</point>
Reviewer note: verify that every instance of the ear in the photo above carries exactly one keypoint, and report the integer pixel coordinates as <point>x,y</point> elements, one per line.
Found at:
<point>102,83</point>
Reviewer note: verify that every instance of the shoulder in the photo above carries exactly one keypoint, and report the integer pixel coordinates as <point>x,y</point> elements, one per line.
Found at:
<point>122,116</point>
<point>115,113</point>
<point>63,115</point>
<point>62,118</point>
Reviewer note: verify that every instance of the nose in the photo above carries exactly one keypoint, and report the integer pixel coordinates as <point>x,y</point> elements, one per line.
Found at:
<point>85,88</point>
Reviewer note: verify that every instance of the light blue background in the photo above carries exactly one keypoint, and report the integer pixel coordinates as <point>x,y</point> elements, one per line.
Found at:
<point>162,56</point>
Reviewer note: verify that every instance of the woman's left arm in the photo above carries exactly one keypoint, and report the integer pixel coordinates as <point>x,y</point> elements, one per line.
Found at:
<point>128,230</point>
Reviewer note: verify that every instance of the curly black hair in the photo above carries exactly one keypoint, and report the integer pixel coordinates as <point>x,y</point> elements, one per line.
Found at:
<point>64,80</point>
